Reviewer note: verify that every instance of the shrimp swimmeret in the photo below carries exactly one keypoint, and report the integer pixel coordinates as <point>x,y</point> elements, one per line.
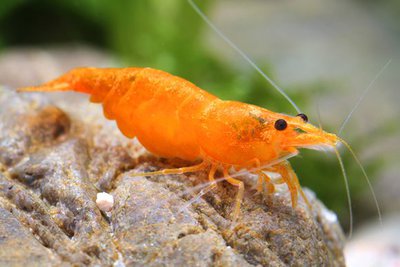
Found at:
<point>172,117</point>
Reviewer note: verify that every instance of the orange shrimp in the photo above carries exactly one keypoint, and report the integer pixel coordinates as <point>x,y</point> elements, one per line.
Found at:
<point>171,117</point>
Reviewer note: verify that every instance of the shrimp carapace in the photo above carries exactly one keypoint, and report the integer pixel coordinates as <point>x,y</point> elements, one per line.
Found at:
<point>172,117</point>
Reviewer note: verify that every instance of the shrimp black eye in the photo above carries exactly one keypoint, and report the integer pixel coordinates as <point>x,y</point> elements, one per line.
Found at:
<point>303,116</point>
<point>280,125</point>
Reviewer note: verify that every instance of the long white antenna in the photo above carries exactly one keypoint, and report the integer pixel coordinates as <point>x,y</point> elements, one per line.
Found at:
<point>362,96</point>
<point>237,49</point>
<point>378,209</point>
<point>346,182</point>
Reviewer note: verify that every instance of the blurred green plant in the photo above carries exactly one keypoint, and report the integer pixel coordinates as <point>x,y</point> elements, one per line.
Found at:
<point>168,35</point>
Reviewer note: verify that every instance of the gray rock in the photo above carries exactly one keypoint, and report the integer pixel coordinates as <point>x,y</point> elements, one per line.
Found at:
<point>53,161</point>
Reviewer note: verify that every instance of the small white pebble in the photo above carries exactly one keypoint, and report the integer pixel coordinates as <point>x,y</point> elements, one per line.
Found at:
<point>104,201</point>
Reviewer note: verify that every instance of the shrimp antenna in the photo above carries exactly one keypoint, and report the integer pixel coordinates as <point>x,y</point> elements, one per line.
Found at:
<point>366,178</point>
<point>318,112</point>
<point>362,96</point>
<point>346,182</point>
<point>238,50</point>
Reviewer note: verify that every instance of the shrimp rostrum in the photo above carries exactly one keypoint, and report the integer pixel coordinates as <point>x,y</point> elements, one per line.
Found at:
<point>171,117</point>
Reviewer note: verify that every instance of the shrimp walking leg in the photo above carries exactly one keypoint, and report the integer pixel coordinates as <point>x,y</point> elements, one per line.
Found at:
<point>260,184</point>
<point>208,188</point>
<point>289,177</point>
<point>239,196</point>
<point>296,181</point>
<point>264,179</point>
<point>211,175</point>
<point>199,167</point>
<point>279,181</point>
<point>284,170</point>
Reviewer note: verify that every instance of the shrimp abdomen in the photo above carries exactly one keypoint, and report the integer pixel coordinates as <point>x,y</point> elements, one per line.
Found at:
<point>161,109</point>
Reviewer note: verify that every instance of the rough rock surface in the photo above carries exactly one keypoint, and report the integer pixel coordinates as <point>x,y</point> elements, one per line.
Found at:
<point>57,152</point>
